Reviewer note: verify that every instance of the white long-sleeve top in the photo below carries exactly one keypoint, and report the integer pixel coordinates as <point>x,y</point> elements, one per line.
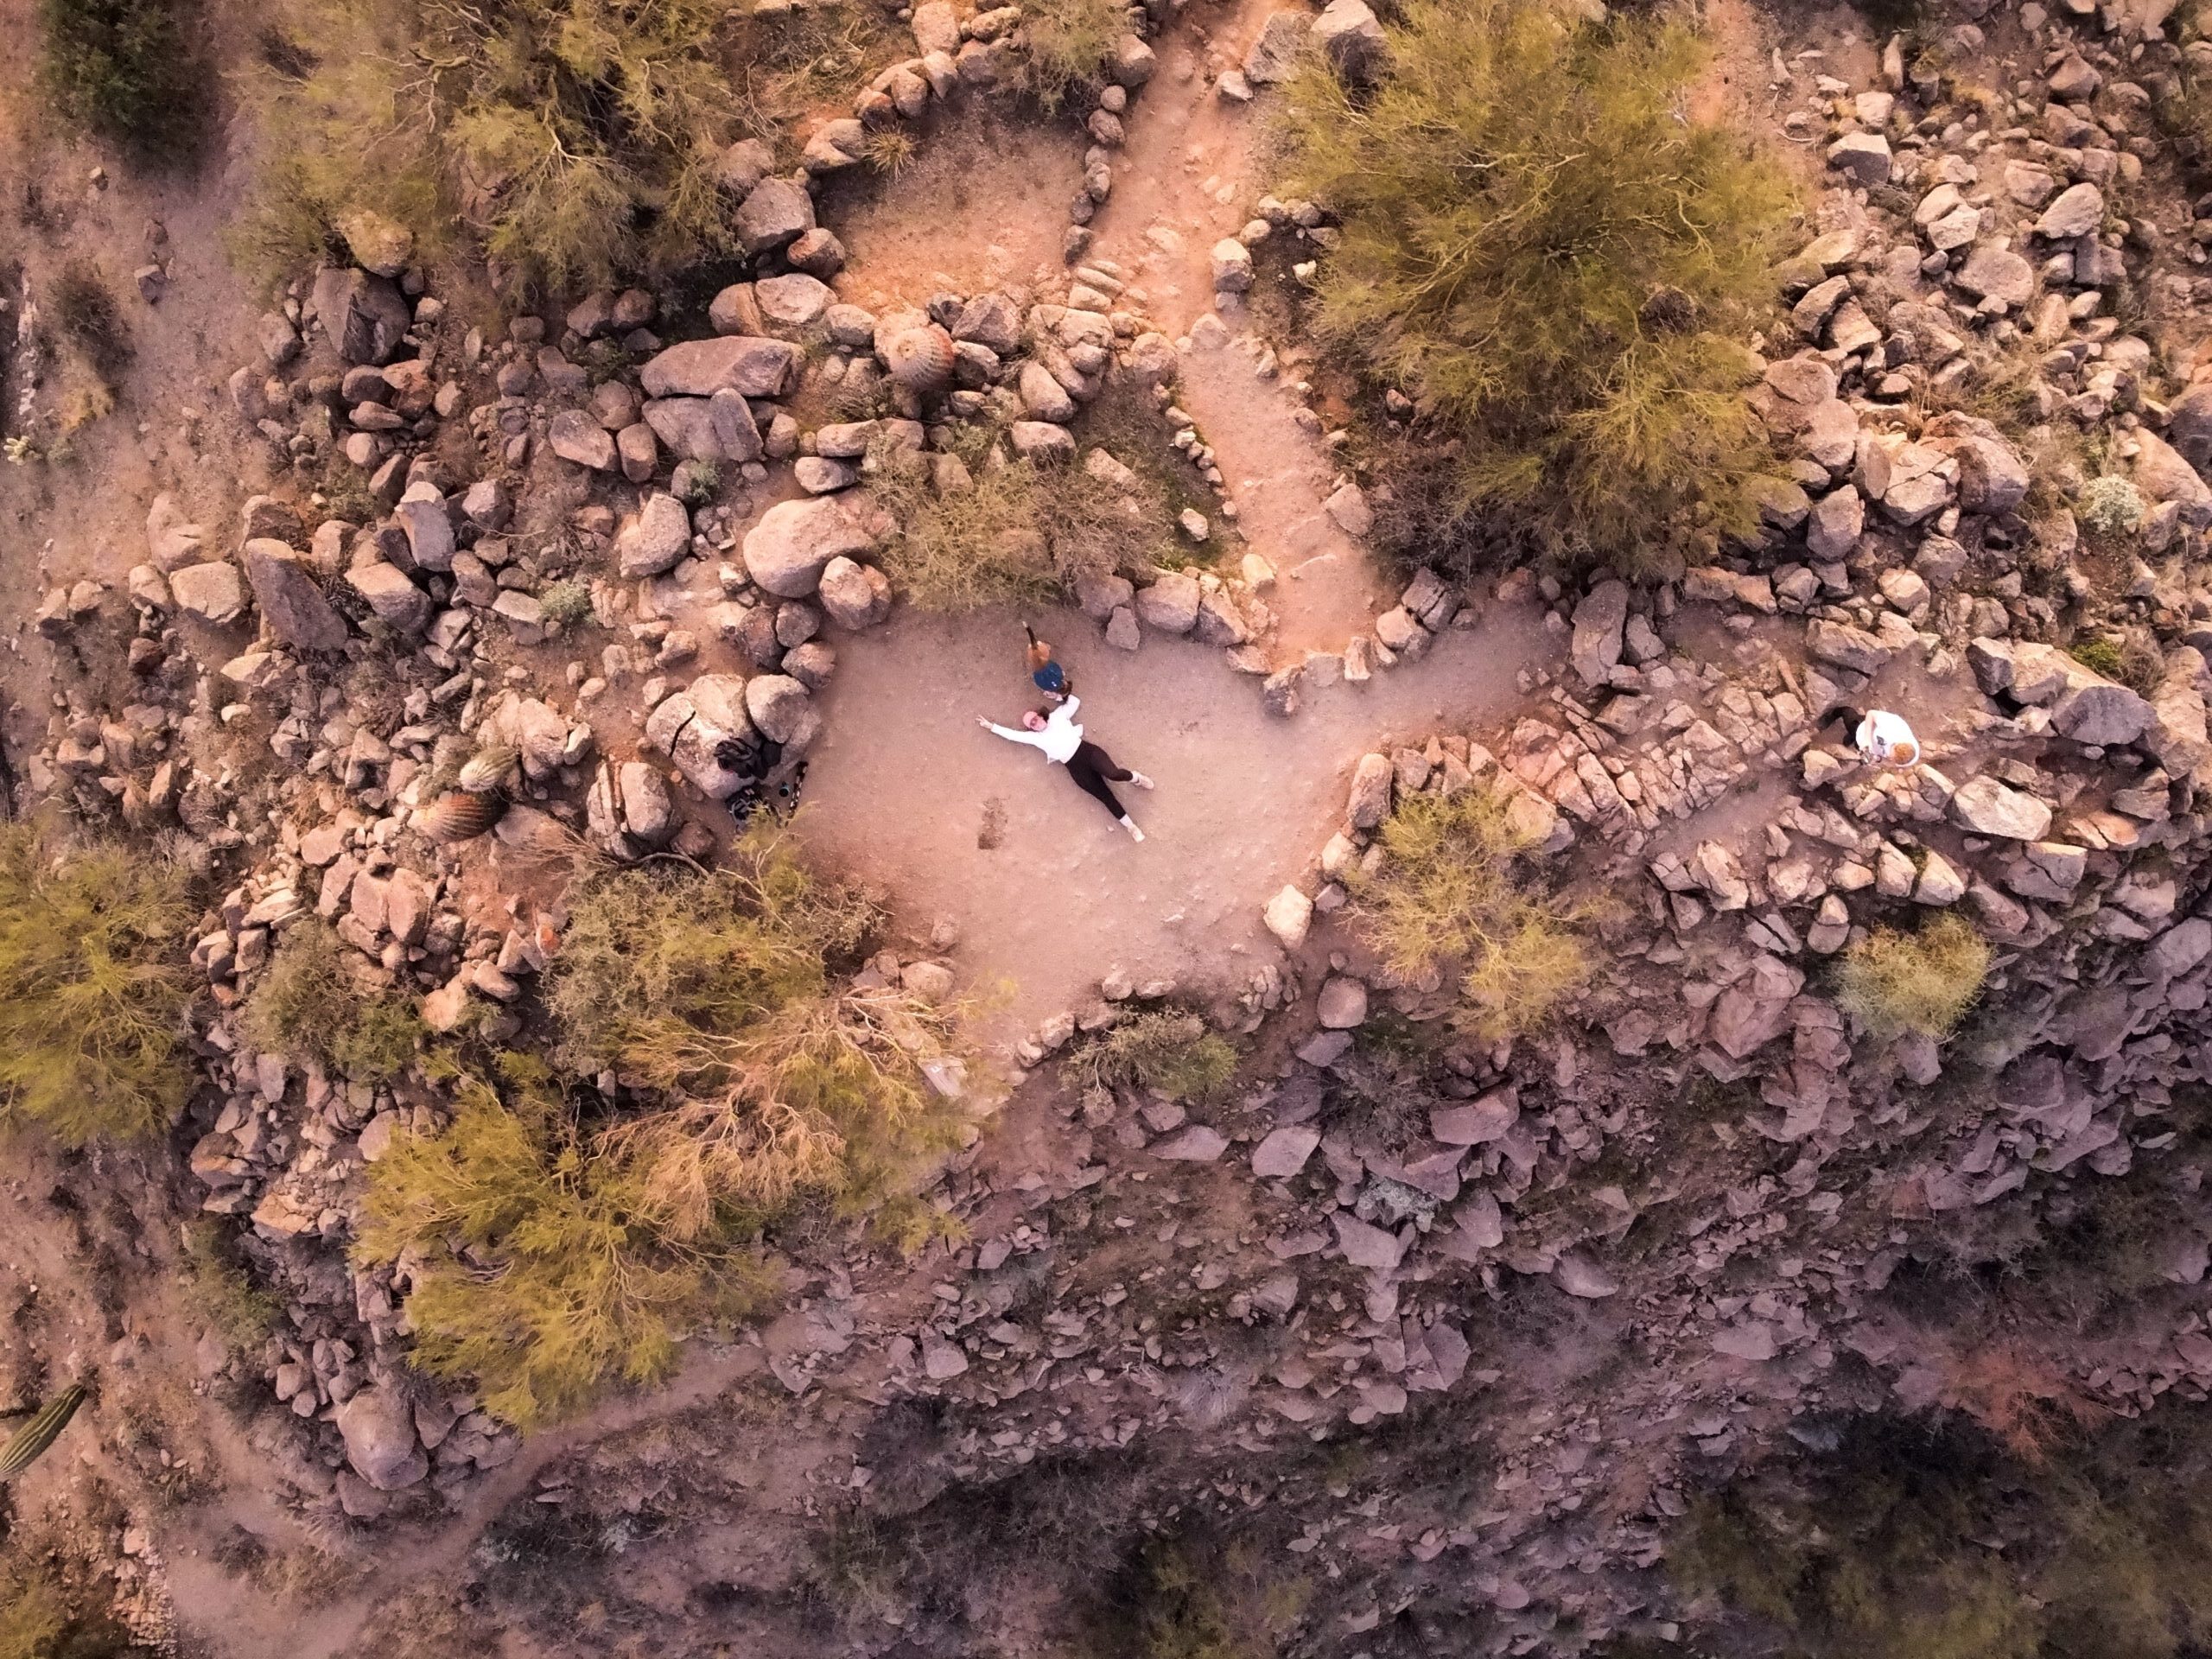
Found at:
<point>1059,740</point>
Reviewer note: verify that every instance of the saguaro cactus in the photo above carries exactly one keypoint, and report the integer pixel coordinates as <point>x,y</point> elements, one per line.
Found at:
<point>45,1426</point>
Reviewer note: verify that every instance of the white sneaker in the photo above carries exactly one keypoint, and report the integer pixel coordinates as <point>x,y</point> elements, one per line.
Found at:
<point>1140,780</point>
<point>1136,834</point>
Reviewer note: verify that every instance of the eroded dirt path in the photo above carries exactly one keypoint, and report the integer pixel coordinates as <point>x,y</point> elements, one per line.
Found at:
<point>1192,168</point>
<point>1046,890</point>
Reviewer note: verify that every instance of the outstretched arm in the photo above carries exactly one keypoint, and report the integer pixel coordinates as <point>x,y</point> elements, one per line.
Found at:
<point>1035,740</point>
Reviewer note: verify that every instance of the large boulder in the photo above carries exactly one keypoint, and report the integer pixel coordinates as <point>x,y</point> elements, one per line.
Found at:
<point>2096,711</point>
<point>1170,604</point>
<point>364,317</point>
<point>784,711</point>
<point>855,595</point>
<point>694,727</point>
<point>2163,475</point>
<point>776,211</point>
<point>1989,807</point>
<point>1992,478</point>
<point>576,436</point>
<point>787,551</point>
<point>427,517</point>
<point>377,1424</point>
<point>686,425</point>
<point>747,364</point>
<point>654,538</point>
<point>1369,803</point>
<point>394,597</point>
<point>1598,620</point>
<point>292,604</point>
<point>211,592</point>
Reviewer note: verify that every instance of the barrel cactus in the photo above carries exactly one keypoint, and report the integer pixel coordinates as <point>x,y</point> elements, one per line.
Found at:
<point>45,1424</point>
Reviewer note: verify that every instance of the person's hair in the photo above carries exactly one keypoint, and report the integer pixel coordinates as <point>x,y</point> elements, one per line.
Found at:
<point>1906,753</point>
<point>1038,715</point>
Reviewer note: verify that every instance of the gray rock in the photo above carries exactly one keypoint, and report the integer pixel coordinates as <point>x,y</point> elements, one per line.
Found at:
<point>855,595</point>
<point>775,211</point>
<point>787,551</point>
<point>2099,712</point>
<point>1862,158</point>
<point>654,538</point>
<point>1365,1246</point>
<point>379,1428</point>
<point>2079,210</point>
<point>783,710</point>
<point>1997,273</point>
<point>1342,1004</point>
<point>1170,604</point>
<point>363,317</point>
<point>691,727</point>
<point>1579,1276</point>
<point>1274,56</point>
<point>1989,807</point>
<point>292,606</point>
<point>686,425</point>
<point>1284,1152</point>
<point>427,517</point>
<point>1348,32</point>
<point>576,437</point>
<point>213,591</point>
<point>1043,397</point>
<point>794,301</point>
<point>1598,620</point>
<point>1370,792</point>
<point>394,599</point>
<point>751,365</point>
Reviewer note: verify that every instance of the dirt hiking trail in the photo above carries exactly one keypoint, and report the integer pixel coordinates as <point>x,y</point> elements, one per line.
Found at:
<point>905,790</point>
<point>1188,179</point>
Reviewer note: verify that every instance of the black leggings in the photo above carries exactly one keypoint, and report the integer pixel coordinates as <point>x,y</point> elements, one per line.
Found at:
<point>1090,767</point>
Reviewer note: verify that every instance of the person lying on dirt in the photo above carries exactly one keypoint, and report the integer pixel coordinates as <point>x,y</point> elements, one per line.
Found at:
<point>1882,739</point>
<point>1046,675</point>
<point>1062,742</point>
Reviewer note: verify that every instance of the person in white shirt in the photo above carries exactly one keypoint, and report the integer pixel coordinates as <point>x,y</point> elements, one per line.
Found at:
<point>1062,743</point>
<point>1882,739</point>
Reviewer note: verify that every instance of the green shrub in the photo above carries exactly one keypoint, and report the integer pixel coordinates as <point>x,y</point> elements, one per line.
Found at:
<point>1213,1603</point>
<point>219,1292</point>
<point>127,71</point>
<point>1926,1542</point>
<point>1894,982</point>
<point>566,602</point>
<point>724,993</point>
<point>1536,243</point>
<point>34,1616</point>
<point>577,140</point>
<point>1016,534</point>
<point>1066,43</point>
<point>590,1280</point>
<point>93,987</point>
<point>307,1005</point>
<point>773,1085</point>
<point>1450,892</point>
<point>2111,506</point>
<point>1164,1049</point>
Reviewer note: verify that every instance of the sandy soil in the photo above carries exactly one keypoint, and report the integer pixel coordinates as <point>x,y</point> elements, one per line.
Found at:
<point>983,203</point>
<point>902,787</point>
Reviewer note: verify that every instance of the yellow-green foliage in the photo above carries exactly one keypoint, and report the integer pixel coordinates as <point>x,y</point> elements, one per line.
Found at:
<point>1536,241</point>
<point>1881,1550</point>
<point>307,1005</point>
<point>127,71</point>
<point>1924,982</point>
<point>1223,1604</point>
<point>1160,1048</point>
<point>1014,534</point>
<point>93,984</point>
<point>542,1268</point>
<point>577,138</point>
<point>587,1248</point>
<point>1450,892</point>
<point>217,1291</point>
<point>1066,42</point>
<point>34,1616</point>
